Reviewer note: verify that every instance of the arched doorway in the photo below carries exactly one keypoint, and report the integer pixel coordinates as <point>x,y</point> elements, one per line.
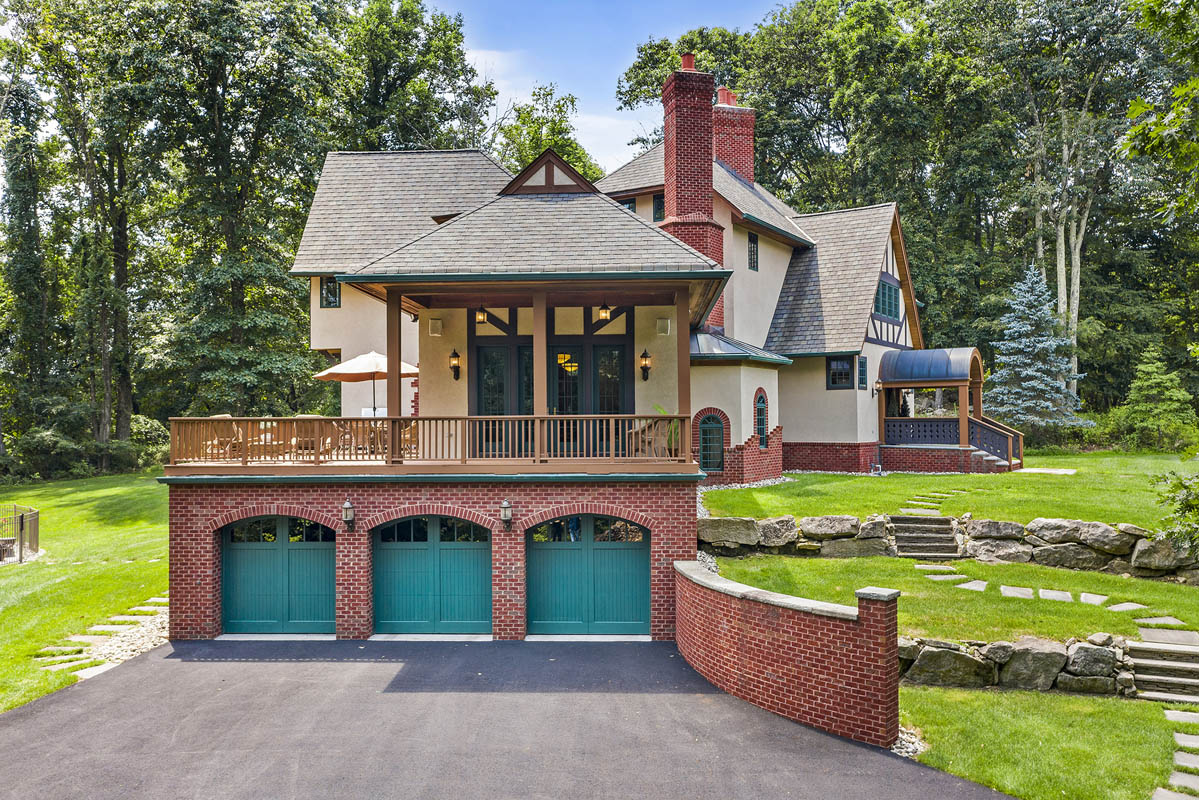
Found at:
<point>278,576</point>
<point>432,574</point>
<point>588,574</point>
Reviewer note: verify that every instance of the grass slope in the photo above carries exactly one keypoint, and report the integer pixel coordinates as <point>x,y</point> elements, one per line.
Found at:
<point>936,609</point>
<point>99,535</point>
<point>1111,487</point>
<point>1044,746</point>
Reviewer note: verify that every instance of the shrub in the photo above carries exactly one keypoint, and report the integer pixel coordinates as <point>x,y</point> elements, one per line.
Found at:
<point>150,439</point>
<point>1181,494</point>
<point>1157,414</point>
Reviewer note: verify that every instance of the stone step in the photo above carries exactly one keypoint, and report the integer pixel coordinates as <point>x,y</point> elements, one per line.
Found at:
<point>58,659</point>
<point>940,522</point>
<point>86,639</point>
<point>922,538</point>
<point>929,556</point>
<point>912,528</point>
<point>1166,794</point>
<point>1184,780</point>
<point>91,672</point>
<point>61,665</point>
<point>1164,651</point>
<point>111,628</point>
<point>155,609</point>
<point>1167,683</point>
<point>1168,697</point>
<point>131,617</point>
<point>925,547</point>
<point>1155,666</point>
<point>1181,716</point>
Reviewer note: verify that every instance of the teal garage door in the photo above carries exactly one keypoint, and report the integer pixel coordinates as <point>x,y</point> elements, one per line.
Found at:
<point>588,575</point>
<point>432,575</point>
<point>277,576</point>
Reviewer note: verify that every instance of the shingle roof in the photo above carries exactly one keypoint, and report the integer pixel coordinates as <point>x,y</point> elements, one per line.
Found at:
<point>709,346</point>
<point>751,199</point>
<point>538,233</point>
<point>827,295</point>
<point>368,204</point>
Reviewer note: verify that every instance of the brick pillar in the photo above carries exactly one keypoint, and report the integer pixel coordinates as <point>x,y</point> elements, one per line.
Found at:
<point>687,155</point>
<point>355,611</point>
<point>508,615</point>
<point>195,571</point>
<point>733,134</point>
<point>877,616</point>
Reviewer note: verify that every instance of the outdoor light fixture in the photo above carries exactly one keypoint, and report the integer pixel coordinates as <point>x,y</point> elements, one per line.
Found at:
<point>878,388</point>
<point>347,514</point>
<point>506,514</point>
<point>605,313</point>
<point>481,314</point>
<point>647,362</point>
<point>455,364</point>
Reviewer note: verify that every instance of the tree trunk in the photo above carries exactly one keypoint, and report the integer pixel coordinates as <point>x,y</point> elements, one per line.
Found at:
<point>1078,231</point>
<point>121,349</point>
<point>1062,294</point>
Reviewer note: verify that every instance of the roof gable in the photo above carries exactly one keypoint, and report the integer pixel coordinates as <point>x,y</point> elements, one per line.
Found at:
<point>549,174</point>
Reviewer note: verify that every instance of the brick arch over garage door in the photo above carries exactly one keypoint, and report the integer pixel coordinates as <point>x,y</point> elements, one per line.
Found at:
<point>430,509</point>
<point>272,510</point>
<point>574,509</point>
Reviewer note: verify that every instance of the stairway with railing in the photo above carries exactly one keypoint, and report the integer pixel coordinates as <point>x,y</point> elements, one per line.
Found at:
<point>985,435</point>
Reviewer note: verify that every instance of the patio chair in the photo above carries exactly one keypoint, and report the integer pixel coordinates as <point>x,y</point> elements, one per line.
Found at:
<point>227,441</point>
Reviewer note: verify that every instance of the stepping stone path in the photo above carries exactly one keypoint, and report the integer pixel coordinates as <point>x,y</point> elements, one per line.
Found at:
<point>974,586</point>
<point>935,567</point>
<point>1159,621</point>
<point>1126,607</point>
<point>1016,591</point>
<point>1054,594</point>
<point>110,644</point>
<point>1182,758</point>
<point>1092,599</point>
<point>943,577</point>
<point>1170,636</point>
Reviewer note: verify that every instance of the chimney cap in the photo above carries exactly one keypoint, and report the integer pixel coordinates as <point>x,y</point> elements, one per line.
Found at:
<point>726,96</point>
<point>688,62</point>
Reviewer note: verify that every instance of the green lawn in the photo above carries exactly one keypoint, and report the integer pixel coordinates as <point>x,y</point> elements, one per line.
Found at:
<point>99,536</point>
<point>938,610</point>
<point>1109,487</point>
<point>1044,746</point>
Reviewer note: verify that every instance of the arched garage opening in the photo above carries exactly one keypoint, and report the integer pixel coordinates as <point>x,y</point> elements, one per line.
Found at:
<point>432,574</point>
<point>588,574</point>
<point>277,576</point>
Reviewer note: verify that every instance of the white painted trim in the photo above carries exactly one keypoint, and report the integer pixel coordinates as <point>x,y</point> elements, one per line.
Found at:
<point>277,637</point>
<point>431,637</point>
<point>598,637</point>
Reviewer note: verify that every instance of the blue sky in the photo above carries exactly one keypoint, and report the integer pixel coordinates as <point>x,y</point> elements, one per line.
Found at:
<point>584,47</point>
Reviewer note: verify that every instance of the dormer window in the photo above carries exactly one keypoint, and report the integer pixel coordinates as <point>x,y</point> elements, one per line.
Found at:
<point>659,207</point>
<point>330,292</point>
<point>886,300</point>
<point>630,204</point>
<point>753,252</point>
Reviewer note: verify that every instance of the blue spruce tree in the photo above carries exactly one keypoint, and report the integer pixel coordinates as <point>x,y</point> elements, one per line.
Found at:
<point>1028,387</point>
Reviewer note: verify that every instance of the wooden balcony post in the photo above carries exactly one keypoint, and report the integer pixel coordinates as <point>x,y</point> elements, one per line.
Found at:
<point>541,346</point>
<point>394,360</point>
<point>964,415</point>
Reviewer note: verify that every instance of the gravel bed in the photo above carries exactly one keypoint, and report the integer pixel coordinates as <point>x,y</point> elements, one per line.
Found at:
<point>4,562</point>
<point>702,511</point>
<point>708,561</point>
<point>909,744</point>
<point>138,639</point>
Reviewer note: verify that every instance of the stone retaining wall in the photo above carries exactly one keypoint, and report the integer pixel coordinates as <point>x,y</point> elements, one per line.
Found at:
<point>830,666</point>
<point>835,536</point>
<point>1099,665</point>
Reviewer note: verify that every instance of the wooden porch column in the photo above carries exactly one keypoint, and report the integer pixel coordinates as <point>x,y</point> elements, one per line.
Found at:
<point>882,417</point>
<point>976,392</point>
<point>964,415</point>
<point>394,360</point>
<point>540,372</point>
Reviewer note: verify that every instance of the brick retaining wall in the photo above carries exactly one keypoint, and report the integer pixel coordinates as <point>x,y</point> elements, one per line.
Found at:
<point>198,511</point>
<point>830,456</point>
<point>935,459</point>
<point>830,666</point>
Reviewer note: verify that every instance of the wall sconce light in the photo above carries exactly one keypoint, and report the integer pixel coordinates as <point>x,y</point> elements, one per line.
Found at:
<point>605,313</point>
<point>878,389</point>
<point>455,364</point>
<point>347,514</point>
<point>647,362</point>
<point>506,514</point>
<point>480,314</point>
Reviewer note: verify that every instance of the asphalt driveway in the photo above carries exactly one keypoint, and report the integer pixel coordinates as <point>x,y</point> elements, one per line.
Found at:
<point>430,720</point>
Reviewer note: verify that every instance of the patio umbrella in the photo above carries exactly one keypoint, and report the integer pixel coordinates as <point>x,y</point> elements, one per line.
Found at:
<point>366,367</point>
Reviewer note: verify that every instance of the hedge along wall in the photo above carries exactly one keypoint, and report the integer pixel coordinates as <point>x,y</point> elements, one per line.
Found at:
<point>830,666</point>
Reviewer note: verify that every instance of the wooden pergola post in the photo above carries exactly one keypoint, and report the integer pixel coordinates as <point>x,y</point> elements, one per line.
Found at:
<point>964,415</point>
<point>540,370</point>
<point>976,391</point>
<point>394,360</point>
<point>882,416</point>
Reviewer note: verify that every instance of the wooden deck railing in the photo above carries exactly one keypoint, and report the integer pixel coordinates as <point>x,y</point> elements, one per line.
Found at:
<point>985,434</point>
<point>516,440</point>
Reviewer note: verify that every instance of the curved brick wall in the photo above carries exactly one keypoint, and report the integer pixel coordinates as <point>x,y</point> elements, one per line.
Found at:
<point>830,666</point>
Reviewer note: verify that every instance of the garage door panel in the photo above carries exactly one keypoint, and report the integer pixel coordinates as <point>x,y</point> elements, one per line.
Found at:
<point>465,582</point>
<point>557,594</point>
<point>311,581</point>
<point>403,589</point>
<point>621,588</point>
<point>252,591</point>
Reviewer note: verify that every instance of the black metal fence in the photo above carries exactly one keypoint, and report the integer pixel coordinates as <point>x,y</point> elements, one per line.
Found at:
<point>18,533</point>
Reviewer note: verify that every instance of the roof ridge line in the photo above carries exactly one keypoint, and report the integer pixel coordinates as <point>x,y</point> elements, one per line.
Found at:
<point>656,229</point>
<point>844,210</point>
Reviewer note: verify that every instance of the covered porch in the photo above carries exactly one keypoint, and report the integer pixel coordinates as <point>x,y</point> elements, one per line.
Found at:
<point>984,444</point>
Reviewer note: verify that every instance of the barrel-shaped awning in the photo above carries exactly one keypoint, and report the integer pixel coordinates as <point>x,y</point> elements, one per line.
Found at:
<point>943,367</point>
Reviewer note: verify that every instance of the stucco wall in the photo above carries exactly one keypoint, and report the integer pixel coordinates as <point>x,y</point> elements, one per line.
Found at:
<point>750,297</point>
<point>440,394</point>
<point>359,326</point>
<point>811,413</point>
<point>662,388</point>
<point>731,388</point>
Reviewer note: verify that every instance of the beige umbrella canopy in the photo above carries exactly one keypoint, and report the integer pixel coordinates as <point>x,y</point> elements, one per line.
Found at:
<point>370,366</point>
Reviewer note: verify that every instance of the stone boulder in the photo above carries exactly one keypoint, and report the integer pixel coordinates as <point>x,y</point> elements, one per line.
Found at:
<point>994,529</point>
<point>1034,665</point>
<point>1105,538</point>
<point>1090,660</point>
<point>853,548</point>
<point>938,667</point>
<point>909,649</point>
<point>1101,639</point>
<point>1085,684</point>
<point>728,530</point>
<point>999,652</point>
<point>1159,554</point>
<point>836,526</point>
<point>1133,530</point>
<point>999,550</point>
<point>1118,566</point>
<point>777,531</point>
<point>1070,555</point>
<point>875,527</point>
<point>1055,531</point>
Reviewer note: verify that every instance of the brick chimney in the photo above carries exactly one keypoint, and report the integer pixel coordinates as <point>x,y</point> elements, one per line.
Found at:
<point>687,102</point>
<point>733,133</point>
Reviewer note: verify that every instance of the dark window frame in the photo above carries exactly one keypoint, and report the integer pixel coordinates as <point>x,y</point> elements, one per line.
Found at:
<point>659,207</point>
<point>863,372</point>
<point>711,455</point>
<point>762,421</point>
<point>753,251</point>
<point>887,303</point>
<point>629,203</point>
<point>843,372</point>
<point>329,299</point>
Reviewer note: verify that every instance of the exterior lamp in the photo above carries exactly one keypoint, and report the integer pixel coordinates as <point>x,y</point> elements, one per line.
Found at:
<point>480,314</point>
<point>455,364</point>
<point>347,514</point>
<point>647,362</point>
<point>605,313</point>
<point>506,514</point>
<point>878,388</point>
